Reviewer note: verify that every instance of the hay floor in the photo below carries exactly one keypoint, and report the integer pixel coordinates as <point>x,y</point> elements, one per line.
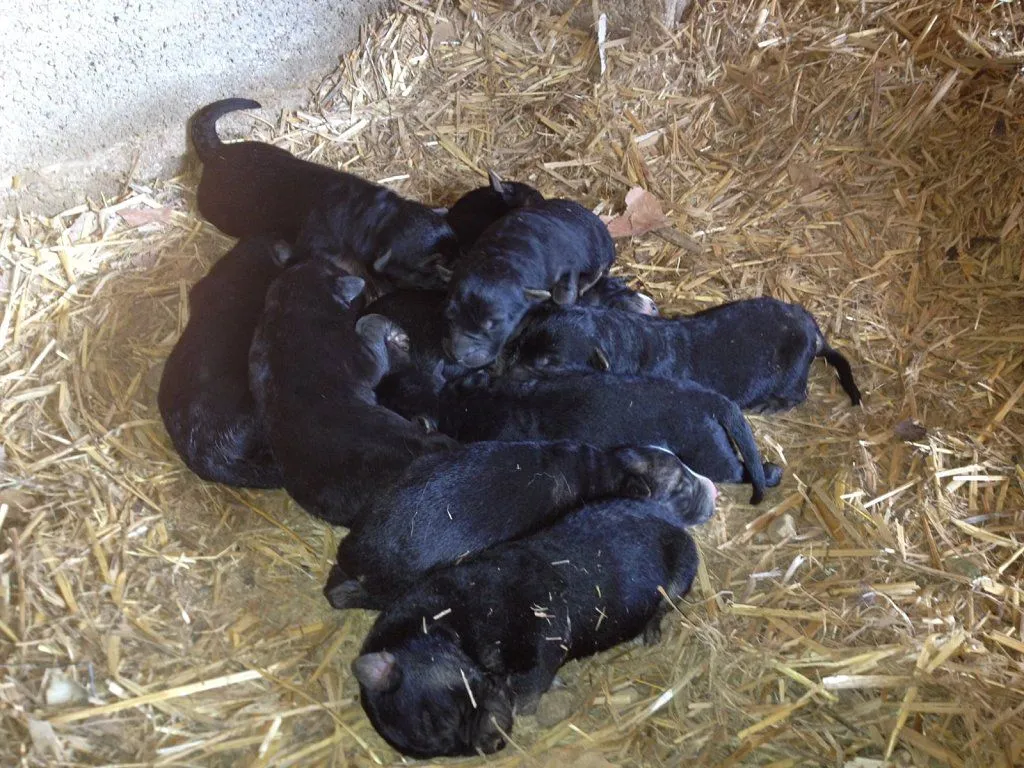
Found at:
<point>860,157</point>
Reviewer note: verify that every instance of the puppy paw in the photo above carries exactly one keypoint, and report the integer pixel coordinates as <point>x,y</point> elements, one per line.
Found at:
<point>375,329</point>
<point>556,706</point>
<point>652,632</point>
<point>772,474</point>
<point>526,704</point>
<point>344,593</point>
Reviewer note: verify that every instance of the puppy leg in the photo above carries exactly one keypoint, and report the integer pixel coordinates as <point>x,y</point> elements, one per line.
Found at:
<point>772,474</point>
<point>566,290</point>
<point>652,631</point>
<point>714,456</point>
<point>343,592</point>
<point>788,394</point>
<point>681,556</point>
<point>528,687</point>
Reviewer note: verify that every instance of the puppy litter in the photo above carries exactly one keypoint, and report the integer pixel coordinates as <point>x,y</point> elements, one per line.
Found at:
<point>905,243</point>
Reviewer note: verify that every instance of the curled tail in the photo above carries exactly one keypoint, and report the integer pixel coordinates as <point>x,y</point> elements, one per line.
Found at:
<point>203,127</point>
<point>838,361</point>
<point>732,421</point>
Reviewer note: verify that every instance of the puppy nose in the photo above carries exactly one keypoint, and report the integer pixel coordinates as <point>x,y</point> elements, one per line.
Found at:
<point>492,743</point>
<point>708,485</point>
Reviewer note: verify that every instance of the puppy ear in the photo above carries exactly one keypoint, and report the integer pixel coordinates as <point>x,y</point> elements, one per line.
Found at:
<point>348,288</point>
<point>497,183</point>
<point>444,273</point>
<point>599,360</point>
<point>382,261</point>
<point>535,294</point>
<point>378,672</point>
<point>282,253</point>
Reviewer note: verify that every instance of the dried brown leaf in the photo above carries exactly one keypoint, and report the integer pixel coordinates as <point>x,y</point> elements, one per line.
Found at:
<point>140,217</point>
<point>643,214</point>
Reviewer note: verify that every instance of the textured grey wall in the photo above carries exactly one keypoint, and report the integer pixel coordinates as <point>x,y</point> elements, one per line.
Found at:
<point>88,86</point>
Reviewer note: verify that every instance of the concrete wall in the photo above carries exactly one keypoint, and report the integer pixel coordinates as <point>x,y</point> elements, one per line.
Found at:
<point>89,87</point>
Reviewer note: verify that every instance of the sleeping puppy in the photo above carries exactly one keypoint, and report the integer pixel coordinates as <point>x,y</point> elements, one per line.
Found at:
<point>698,425</point>
<point>367,224</point>
<point>476,210</point>
<point>251,188</point>
<point>204,396</point>
<point>312,371</point>
<point>554,249</point>
<point>412,386</point>
<point>450,505</point>
<point>756,352</point>
<point>447,665</point>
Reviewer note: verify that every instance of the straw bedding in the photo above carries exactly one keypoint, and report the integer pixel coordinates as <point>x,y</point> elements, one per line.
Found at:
<point>860,157</point>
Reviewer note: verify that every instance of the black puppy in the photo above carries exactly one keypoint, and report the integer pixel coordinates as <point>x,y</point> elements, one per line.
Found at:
<point>204,393</point>
<point>756,352</point>
<point>698,425</point>
<point>447,506</point>
<point>412,385</point>
<point>250,188</point>
<point>313,370</point>
<point>445,667</point>
<point>554,249</point>
<point>476,210</point>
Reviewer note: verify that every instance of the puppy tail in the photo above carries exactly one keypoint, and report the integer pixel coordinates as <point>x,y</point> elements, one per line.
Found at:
<point>203,126</point>
<point>838,361</point>
<point>740,433</point>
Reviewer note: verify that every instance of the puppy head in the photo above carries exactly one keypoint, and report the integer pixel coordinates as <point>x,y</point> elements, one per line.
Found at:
<point>513,194</point>
<point>481,314</point>
<point>658,474</point>
<point>419,242</point>
<point>429,699</point>
<point>549,344</point>
<point>479,208</point>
